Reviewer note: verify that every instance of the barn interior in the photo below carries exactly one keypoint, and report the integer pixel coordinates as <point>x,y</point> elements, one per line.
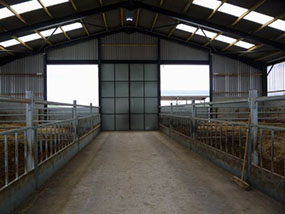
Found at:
<point>153,104</point>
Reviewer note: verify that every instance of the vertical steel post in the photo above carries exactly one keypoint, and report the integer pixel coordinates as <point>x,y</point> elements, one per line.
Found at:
<point>194,115</point>
<point>252,146</point>
<point>264,81</point>
<point>75,122</point>
<point>30,132</point>
<point>91,113</point>
<point>170,120</point>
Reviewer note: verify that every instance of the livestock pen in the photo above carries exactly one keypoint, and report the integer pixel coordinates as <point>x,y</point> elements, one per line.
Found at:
<point>221,128</point>
<point>33,132</point>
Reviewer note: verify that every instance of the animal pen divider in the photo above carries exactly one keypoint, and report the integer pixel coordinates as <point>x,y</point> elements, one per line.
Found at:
<point>34,131</point>
<point>221,127</point>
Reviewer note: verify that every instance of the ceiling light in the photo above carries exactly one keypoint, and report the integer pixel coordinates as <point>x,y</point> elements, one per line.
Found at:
<point>211,4</point>
<point>186,28</point>
<point>258,17</point>
<point>129,16</point>
<point>26,6</point>
<point>30,37</point>
<point>278,24</point>
<point>5,12</point>
<point>48,3</point>
<point>245,45</point>
<point>9,43</point>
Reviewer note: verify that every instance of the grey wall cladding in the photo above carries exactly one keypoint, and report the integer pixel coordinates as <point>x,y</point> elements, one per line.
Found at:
<point>232,78</point>
<point>21,75</point>
<point>174,51</point>
<point>87,50</point>
<point>123,46</point>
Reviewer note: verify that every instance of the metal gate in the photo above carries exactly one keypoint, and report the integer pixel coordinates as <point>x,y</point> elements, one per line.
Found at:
<point>129,96</point>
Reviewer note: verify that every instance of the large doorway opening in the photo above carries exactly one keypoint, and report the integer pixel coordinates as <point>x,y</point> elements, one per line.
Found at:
<point>66,83</point>
<point>182,83</point>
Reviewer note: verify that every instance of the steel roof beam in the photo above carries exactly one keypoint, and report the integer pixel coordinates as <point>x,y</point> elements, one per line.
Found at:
<point>62,20</point>
<point>104,16</point>
<point>137,17</point>
<point>258,4</point>
<point>211,26</point>
<point>126,29</point>
<point>135,5</point>
<point>216,9</point>
<point>156,15</point>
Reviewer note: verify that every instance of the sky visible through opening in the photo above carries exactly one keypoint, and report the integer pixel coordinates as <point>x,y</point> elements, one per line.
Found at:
<point>184,80</point>
<point>66,83</point>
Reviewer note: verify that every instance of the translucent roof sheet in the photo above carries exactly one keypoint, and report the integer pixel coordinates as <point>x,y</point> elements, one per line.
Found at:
<point>237,11</point>
<point>9,43</point>
<point>47,33</point>
<point>278,24</point>
<point>186,28</point>
<point>258,17</point>
<point>48,3</point>
<point>73,26</point>
<point>232,9</point>
<point>209,34</point>
<point>225,39</point>
<point>245,45</point>
<point>30,37</point>
<point>26,6</point>
<point>4,13</point>
<point>211,4</point>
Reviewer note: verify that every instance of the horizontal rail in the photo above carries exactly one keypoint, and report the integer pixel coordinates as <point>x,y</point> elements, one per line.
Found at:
<point>27,101</point>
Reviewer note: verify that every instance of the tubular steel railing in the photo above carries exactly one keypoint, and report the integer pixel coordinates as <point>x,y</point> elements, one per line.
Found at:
<point>22,149</point>
<point>266,147</point>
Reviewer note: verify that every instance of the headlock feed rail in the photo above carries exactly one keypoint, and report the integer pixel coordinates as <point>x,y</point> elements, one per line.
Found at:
<point>218,130</point>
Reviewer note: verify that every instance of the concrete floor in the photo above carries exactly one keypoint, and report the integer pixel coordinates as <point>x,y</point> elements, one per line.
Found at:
<point>143,172</point>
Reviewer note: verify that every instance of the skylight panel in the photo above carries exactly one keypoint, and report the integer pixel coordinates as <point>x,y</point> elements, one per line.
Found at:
<point>208,33</point>
<point>4,13</point>
<point>278,24</point>
<point>73,26</point>
<point>49,3</point>
<point>47,33</point>
<point>211,4</point>
<point>9,43</point>
<point>26,6</point>
<point>245,45</point>
<point>225,39</point>
<point>232,9</point>
<point>258,17</point>
<point>186,28</point>
<point>30,37</point>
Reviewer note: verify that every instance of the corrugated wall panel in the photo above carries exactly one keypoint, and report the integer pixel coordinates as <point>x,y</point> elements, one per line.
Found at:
<point>21,75</point>
<point>82,51</point>
<point>232,78</point>
<point>123,46</point>
<point>174,51</point>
